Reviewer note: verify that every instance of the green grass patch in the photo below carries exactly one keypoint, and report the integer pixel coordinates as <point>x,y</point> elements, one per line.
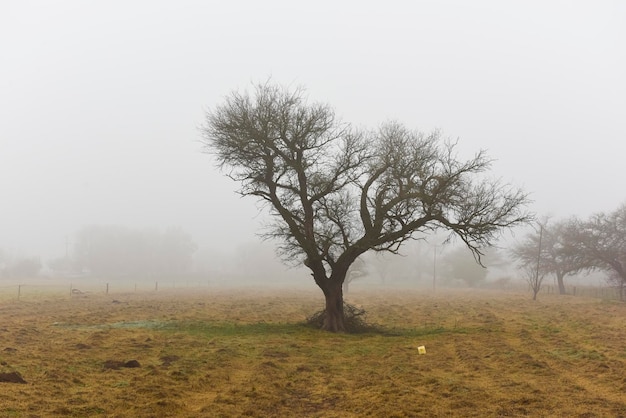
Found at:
<point>230,329</point>
<point>269,329</point>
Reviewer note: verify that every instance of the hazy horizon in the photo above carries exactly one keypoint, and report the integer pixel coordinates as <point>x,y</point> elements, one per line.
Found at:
<point>102,102</point>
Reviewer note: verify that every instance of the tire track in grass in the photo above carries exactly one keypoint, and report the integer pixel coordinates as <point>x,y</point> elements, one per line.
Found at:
<point>497,370</point>
<point>570,370</point>
<point>538,339</point>
<point>468,377</point>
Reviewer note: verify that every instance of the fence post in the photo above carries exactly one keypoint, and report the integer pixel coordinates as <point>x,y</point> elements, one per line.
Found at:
<point>107,289</point>
<point>19,291</point>
<point>156,286</point>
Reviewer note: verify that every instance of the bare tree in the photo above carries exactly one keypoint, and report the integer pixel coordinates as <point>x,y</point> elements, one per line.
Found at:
<point>557,256</point>
<point>600,244</point>
<point>336,192</point>
<point>534,277</point>
<point>381,266</point>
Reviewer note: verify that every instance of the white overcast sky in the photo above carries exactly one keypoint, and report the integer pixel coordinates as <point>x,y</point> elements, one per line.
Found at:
<point>100,101</point>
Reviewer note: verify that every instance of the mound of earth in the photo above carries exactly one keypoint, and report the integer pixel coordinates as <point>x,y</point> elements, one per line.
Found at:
<point>12,377</point>
<point>116,364</point>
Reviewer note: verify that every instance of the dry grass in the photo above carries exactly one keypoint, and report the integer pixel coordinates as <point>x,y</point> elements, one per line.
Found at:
<point>246,354</point>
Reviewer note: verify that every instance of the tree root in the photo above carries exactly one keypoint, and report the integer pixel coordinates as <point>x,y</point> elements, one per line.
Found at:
<point>354,320</point>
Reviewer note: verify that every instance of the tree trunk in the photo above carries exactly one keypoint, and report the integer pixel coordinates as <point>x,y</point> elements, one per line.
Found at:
<point>561,283</point>
<point>334,320</point>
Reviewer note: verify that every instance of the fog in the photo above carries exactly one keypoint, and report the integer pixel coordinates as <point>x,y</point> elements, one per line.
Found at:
<point>101,103</point>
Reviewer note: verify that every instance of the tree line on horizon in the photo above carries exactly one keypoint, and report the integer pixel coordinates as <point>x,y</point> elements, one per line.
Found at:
<point>112,251</point>
<point>570,246</point>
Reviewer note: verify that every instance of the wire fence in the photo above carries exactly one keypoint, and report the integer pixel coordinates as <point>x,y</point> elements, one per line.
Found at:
<point>33,289</point>
<point>599,292</point>
<point>68,289</point>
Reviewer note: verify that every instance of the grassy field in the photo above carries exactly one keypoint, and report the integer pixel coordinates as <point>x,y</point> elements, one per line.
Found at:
<point>245,353</point>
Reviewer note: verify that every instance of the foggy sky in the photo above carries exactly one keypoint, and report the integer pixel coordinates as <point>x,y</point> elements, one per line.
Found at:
<point>100,102</point>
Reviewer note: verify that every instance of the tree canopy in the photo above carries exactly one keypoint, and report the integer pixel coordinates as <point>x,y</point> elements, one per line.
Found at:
<point>335,191</point>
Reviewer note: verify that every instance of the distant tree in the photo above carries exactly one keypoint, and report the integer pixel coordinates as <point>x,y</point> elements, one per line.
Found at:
<point>420,256</point>
<point>412,266</point>
<point>23,267</point>
<point>600,244</point>
<point>61,265</point>
<point>381,265</point>
<point>4,258</point>
<point>174,254</point>
<point>114,251</point>
<point>557,255</point>
<point>357,270</point>
<point>108,250</point>
<point>458,266</point>
<point>336,192</point>
<point>613,278</point>
<point>534,277</point>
